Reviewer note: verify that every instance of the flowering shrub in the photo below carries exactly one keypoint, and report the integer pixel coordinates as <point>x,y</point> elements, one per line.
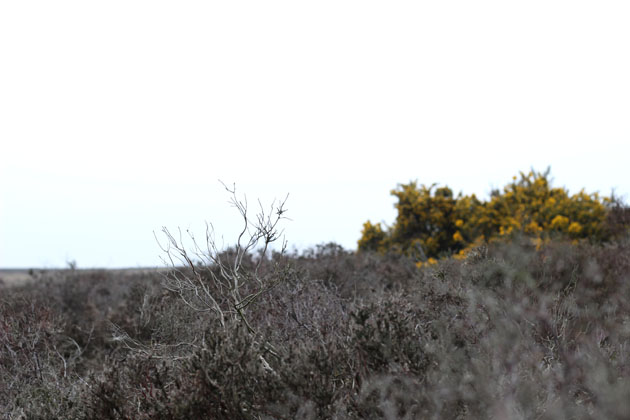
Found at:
<point>433,223</point>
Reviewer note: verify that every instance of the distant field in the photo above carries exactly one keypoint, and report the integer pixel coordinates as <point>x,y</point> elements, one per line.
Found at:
<point>13,277</point>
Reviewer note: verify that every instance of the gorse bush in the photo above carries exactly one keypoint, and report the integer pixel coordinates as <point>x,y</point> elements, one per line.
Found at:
<point>433,222</point>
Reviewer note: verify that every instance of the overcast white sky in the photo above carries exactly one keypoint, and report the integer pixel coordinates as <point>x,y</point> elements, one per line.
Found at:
<point>118,117</point>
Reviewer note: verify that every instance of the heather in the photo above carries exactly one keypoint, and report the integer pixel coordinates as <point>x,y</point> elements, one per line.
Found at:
<point>510,331</point>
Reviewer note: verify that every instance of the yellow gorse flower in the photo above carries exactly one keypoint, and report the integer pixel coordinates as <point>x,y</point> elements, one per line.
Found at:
<point>575,228</point>
<point>560,222</point>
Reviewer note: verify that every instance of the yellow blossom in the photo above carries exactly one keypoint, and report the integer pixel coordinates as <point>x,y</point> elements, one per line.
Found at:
<point>533,227</point>
<point>575,228</point>
<point>560,222</point>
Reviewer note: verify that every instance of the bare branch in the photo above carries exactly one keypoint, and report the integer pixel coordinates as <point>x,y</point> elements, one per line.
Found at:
<point>211,278</point>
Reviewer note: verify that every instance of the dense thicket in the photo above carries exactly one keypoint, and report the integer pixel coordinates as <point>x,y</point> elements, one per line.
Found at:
<point>510,331</point>
<point>433,222</point>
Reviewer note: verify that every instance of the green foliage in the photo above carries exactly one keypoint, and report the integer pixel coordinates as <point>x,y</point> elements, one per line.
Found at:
<point>433,223</point>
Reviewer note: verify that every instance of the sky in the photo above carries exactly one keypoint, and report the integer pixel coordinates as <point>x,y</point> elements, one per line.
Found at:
<point>118,118</point>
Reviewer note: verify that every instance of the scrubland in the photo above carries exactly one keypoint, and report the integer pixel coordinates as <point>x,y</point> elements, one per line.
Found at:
<point>513,308</point>
<point>510,331</point>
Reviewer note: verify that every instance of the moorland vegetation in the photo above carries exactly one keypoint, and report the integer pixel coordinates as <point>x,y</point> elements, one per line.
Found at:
<point>512,308</point>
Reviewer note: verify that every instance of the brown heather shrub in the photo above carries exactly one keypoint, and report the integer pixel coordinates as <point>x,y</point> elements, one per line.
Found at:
<point>37,360</point>
<point>510,331</point>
